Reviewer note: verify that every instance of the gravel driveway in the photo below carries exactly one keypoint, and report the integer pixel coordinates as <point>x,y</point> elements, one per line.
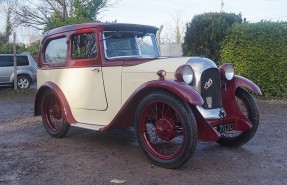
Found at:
<point>29,155</point>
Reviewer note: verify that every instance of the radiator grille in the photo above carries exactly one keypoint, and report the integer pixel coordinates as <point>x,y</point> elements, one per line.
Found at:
<point>210,89</point>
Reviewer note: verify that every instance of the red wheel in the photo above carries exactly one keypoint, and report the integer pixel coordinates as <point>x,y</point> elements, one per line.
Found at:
<point>166,129</point>
<point>52,115</point>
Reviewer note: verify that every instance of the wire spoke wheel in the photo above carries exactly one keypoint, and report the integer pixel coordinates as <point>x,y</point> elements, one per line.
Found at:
<point>52,115</point>
<point>162,130</point>
<point>166,129</point>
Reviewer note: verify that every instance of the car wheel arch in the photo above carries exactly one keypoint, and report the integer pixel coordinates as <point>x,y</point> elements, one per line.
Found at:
<point>28,74</point>
<point>60,95</point>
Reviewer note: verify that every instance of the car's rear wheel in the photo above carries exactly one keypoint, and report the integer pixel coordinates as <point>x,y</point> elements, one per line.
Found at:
<point>248,107</point>
<point>23,82</point>
<point>53,116</point>
<point>166,129</point>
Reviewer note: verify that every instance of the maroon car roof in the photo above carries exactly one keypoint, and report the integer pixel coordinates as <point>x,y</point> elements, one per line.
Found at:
<point>105,26</point>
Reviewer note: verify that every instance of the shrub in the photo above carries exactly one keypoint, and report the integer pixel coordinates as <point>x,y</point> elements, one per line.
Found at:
<point>206,31</point>
<point>259,52</point>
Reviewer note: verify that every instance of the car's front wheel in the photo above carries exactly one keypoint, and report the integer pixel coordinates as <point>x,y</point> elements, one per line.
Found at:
<point>53,115</point>
<point>248,107</point>
<point>166,129</point>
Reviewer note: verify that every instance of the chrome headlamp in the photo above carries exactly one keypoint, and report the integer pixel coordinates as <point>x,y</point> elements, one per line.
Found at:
<point>184,73</point>
<point>227,71</point>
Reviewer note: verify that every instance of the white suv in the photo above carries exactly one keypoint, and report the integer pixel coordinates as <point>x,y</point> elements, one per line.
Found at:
<point>26,70</point>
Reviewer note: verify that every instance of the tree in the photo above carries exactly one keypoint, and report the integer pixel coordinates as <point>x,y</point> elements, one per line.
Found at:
<point>34,48</point>
<point>206,31</point>
<point>48,14</point>
<point>6,7</point>
<point>176,29</point>
<point>7,48</point>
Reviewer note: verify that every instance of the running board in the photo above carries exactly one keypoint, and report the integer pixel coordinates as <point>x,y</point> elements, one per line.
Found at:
<point>87,126</point>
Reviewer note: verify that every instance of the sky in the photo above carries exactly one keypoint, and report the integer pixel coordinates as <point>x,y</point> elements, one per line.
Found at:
<point>162,12</point>
<point>157,12</point>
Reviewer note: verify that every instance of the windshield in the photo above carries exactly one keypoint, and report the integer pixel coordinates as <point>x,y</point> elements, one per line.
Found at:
<point>130,44</point>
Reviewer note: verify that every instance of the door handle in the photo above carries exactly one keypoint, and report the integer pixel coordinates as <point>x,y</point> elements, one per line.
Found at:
<point>97,69</point>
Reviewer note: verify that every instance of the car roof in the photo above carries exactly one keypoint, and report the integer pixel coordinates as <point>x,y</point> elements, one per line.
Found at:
<point>105,26</point>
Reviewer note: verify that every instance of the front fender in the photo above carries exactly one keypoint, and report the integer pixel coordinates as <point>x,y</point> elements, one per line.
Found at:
<point>182,90</point>
<point>229,102</point>
<point>60,95</point>
<point>239,81</point>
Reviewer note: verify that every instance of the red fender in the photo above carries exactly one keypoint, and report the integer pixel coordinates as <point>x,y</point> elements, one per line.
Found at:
<point>182,90</point>
<point>239,81</point>
<point>60,95</point>
<point>233,113</point>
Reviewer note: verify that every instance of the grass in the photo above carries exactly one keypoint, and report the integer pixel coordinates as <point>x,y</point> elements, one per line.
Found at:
<point>8,93</point>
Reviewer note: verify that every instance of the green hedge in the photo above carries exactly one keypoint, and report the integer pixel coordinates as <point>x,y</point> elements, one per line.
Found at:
<point>259,52</point>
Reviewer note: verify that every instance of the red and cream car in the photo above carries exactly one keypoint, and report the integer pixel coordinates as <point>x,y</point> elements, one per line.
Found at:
<point>103,76</point>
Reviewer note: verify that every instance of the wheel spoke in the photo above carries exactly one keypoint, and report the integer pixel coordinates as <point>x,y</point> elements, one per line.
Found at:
<point>162,110</point>
<point>164,149</point>
<point>167,110</point>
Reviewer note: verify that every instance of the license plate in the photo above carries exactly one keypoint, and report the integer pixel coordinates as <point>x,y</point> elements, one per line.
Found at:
<point>225,128</point>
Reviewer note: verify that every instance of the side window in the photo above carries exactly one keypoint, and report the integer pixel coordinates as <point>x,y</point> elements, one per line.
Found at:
<point>84,46</point>
<point>56,51</point>
<point>22,61</point>
<point>6,61</point>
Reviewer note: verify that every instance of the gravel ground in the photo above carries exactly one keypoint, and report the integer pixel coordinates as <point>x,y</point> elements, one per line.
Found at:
<point>29,155</point>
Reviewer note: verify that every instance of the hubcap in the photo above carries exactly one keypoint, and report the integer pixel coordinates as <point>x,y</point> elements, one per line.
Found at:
<point>55,111</point>
<point>165,129</point>
<point>23,83</point>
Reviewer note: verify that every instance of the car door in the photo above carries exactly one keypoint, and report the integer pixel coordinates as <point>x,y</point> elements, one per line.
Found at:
<point>86,86</point>
<point>6,68</point>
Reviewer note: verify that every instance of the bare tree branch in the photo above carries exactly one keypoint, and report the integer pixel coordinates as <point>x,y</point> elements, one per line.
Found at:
<point>45,12</point>
<point>54,8</point>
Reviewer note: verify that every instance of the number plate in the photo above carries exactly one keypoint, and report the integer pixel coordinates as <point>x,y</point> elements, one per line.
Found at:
<point>225,128</point>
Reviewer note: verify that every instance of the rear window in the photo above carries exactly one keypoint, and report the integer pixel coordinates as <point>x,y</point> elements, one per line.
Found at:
<point>56,51</point>
<point>6,61</point>
<point>84,46</point>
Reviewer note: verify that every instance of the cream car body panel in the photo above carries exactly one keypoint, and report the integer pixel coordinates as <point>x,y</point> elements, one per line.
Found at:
<point>112,84</point>
<point>135,76</point>
<point>87,83</point>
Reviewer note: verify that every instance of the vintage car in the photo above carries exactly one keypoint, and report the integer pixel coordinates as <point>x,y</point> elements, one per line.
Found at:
<point>105,76</point>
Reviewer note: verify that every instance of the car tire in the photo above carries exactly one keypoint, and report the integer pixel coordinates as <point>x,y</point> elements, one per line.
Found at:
<point>166,129</point>
<point>53,115</point>
<point>248,107</point>
<point>23,82</point>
